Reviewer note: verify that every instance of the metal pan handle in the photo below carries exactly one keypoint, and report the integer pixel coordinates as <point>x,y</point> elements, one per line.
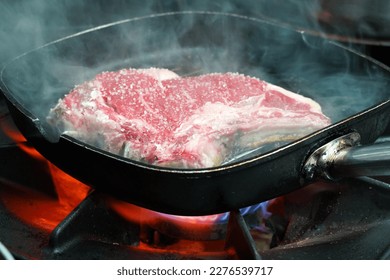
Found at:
<point>345,157</point>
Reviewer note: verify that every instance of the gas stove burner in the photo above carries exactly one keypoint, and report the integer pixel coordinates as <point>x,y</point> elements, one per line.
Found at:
<point>109,234</point>
<point>209,227</point>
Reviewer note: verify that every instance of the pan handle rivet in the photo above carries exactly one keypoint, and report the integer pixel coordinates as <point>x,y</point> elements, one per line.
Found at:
<point>318,164</point>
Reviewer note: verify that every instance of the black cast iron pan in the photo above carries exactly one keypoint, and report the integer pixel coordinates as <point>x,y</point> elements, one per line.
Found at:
<point>353,91</point>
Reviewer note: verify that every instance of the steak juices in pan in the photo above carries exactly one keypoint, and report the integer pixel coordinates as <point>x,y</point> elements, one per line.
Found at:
<point>192,179</point>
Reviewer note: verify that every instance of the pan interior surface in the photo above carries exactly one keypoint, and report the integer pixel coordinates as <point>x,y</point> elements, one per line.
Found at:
<point>192,43</point>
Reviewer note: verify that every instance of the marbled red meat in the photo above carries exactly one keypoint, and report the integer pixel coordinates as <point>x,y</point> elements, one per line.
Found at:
<point>155,116</point>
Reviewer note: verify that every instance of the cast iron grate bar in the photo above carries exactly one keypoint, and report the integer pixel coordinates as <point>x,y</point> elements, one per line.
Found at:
<point>239,238</point>
<point>94,225</point>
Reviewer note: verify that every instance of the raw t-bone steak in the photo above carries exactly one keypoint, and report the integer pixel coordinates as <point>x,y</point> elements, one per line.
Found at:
<point>155,116</point>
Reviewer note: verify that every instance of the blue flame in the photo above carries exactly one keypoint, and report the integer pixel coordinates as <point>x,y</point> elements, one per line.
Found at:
<point>222,218</point>
<point>261,207</point>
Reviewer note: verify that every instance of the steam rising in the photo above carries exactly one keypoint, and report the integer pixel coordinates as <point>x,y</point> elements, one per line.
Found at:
<point>230,36</point>
<point>27,24</point>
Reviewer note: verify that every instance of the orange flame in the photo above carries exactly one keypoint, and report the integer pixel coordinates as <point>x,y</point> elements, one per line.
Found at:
<point>201,225</point>
<point>37,208</point>
<point>17,137</point>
